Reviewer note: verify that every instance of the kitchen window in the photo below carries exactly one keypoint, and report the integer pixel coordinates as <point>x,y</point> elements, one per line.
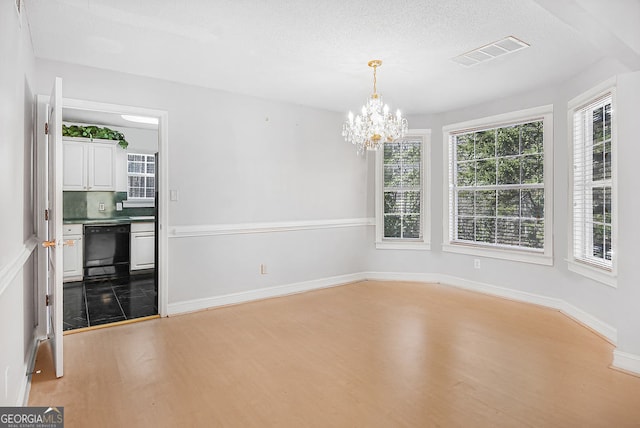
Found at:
<point>402,202</point>
<point>499,186</point>
<point>141,171</point>
<point>593,227</point>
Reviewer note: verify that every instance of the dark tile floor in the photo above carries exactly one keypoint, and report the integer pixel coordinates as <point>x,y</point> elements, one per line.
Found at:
<point>95,302</point>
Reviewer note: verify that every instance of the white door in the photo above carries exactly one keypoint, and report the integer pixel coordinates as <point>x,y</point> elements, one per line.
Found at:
<point>54,224</point>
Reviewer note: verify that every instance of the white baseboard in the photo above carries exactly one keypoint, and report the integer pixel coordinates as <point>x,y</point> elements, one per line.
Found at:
<point>25,389</point>
<point>626,361</point>
<point>261,293</point>
<point>588,320</point>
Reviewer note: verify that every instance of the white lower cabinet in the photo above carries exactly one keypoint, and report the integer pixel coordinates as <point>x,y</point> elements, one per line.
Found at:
<point>72,252</point>
<point>142,246</point>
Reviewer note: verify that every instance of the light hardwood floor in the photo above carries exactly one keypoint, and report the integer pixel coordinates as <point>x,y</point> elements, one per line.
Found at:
<point>369,354</point>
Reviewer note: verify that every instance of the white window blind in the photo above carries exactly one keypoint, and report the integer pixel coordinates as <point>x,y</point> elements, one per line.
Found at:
<point>141,170</point>
<point>497,186</point>
<point>403,189</point>
<point>593,186</point>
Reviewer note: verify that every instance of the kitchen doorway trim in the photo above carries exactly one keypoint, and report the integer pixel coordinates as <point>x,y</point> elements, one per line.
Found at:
<point>163,194</point>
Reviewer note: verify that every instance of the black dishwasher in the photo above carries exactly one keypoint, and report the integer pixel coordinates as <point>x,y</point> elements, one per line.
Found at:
<point>106,250</point>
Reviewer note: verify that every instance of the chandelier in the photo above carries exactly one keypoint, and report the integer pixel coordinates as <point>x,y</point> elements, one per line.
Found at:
<point>374,125</point>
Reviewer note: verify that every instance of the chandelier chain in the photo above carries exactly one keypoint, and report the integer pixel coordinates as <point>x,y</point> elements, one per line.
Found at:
<point>375,67</point>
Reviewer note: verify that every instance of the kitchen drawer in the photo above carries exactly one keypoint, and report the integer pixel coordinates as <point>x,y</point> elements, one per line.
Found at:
<point>142,227</point>
<point>71,229</point>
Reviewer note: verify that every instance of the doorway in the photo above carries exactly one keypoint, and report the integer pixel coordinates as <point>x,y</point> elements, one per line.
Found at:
<point>109,213</point>
<point>74,107</point>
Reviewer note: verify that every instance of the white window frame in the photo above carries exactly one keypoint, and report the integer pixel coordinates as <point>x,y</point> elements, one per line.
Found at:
<point>132,202</point>
<point>535,256</point>
<point>423,243</point>
<point>597,273</point>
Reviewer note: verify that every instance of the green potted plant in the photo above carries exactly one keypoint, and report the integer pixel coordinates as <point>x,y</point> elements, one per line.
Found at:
<point>92,132</point>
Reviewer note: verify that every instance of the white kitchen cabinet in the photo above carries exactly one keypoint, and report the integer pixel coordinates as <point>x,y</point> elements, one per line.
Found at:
<point>72,254</point>
<point>142,246</point>
<point>89,165</point>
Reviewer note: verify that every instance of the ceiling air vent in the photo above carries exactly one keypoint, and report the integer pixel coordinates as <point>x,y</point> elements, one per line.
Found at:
<point>492,50</point>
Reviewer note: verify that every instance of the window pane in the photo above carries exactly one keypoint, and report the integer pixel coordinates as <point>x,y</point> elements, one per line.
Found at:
<point>532,233</point>
<point>466,173</point>
<point>509,141</point>
<point>151,168</point>
<point>598,204</point>
<point>412,202</point>
<point>392,226</point>
<point>607,242</point>
<point>411,226</point>
<point>532,138</point>
<point>392,176</point>
<point>509,170</point>
<point>464,147</point>
<point>392,153</point>
<point>411,152</point>
<point>486,230</point>
<point>508,232</point>
<point>607,160</point>
<point>466,229</point>
<point>509,203</point>
<point>465,202</point>
<point>392,202</point>
<point>598,241</point>
<point>532,169</point>
<point>486,203</point>
<point>411,176</point>
<point>485,144</point>
<point>486,172</point>
<point>607,121</point>
<point>532,203</point>
<point>598,162</point>
<point>607,205</point>
<point>598,125</point>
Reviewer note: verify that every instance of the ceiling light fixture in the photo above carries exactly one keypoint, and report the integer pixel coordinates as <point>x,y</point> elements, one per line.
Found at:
<point>374,125</point>
<point>140,119</point>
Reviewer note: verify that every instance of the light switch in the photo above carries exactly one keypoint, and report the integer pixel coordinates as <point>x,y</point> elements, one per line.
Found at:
<point>101,206</point>
<point>173,194</point>
<point>118,206</point>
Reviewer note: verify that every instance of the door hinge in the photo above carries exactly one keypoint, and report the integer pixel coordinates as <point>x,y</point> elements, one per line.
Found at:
<point>46,215</point>
<point>46,128</point>
<point>47,300</point>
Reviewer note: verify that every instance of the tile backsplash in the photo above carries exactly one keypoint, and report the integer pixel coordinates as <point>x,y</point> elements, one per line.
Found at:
<point>86,205</point>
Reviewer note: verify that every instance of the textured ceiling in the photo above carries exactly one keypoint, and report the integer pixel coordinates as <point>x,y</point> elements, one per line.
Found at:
<point>315,52</point>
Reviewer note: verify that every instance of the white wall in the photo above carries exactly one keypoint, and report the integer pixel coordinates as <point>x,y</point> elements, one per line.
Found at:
<point>617,308</point>
<point>17,259</point>
<point>241,160</point>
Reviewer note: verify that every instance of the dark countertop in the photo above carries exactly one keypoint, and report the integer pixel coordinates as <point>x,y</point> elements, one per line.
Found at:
<point>115,220</point>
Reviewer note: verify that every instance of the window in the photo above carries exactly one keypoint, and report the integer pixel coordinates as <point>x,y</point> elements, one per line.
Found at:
<point>593,217</point>
<point>401,203</point>
<point>141,171</point>
<point>499,187</point>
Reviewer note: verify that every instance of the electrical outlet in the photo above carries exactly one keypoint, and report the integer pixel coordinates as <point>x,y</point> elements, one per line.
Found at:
<point>101,206</point>
<point>263,269</point>
<point>118,206</point>
<point>476,263</point>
